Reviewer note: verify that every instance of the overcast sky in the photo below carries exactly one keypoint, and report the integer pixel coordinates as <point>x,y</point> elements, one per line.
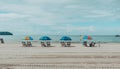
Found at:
<point>60,16</point>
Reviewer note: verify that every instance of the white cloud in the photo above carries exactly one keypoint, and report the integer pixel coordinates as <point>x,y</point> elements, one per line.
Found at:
<point>99,14</point>
<point>47,1</point>
<point>71,29</point>
<point>12,15</point>
<point>50,13</point>
<point>62,9</point>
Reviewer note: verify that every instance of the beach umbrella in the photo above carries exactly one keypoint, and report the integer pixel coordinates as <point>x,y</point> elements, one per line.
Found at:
<point>87,37</point>
<point>45,38</point>
<point>6,33</point>
<point>65,38</point>
<point>28,38</point>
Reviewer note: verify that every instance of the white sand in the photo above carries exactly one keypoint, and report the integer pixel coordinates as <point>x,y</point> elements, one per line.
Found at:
<point>14,56</point>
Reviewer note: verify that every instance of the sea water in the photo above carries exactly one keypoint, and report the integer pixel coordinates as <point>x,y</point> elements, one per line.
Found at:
<point>56,38</point>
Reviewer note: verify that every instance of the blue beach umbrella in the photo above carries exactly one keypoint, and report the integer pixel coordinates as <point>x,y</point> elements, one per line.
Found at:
<point>65,38</point>
<point>45,38</point>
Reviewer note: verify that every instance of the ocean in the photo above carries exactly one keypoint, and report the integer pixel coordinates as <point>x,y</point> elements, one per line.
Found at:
<point>56,38</point>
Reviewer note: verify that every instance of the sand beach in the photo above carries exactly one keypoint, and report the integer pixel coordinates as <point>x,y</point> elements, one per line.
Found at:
<point>51,22</point>
<point>14,56</point>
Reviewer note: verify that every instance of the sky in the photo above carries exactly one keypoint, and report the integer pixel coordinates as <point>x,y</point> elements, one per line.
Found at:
<point>58,17</point>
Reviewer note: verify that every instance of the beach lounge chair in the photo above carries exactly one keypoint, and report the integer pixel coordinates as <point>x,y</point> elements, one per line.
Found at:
<point>85,43</point>
<point>92,44</point>
<point>29,44</point>
<point>63,44</point>
<point>43,44</point>
<point>68,44</point>
<point>24,43</point>
<point>48,44</point>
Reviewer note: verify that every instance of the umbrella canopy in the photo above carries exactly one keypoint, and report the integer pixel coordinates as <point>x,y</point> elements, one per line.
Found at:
<point>65,38</point>
<point>87,37</point>
<point>45,38</point>
<point>28,38</point>
<point>6,33</point>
